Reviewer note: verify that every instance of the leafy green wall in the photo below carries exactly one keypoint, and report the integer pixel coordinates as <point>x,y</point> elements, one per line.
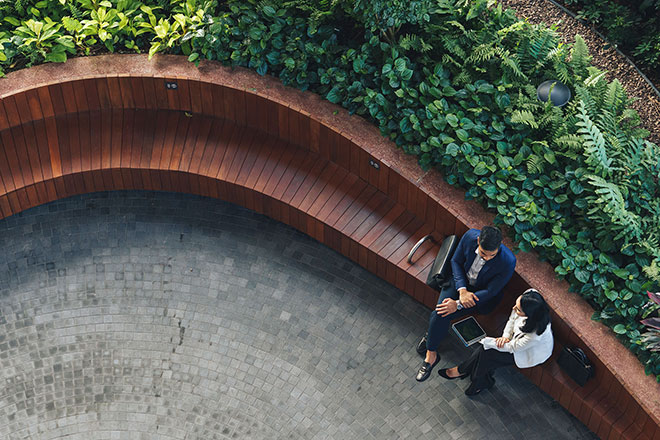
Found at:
<point>451,81</point>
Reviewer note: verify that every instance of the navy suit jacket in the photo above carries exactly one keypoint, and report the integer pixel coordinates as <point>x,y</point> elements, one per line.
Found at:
<point>493,275</point>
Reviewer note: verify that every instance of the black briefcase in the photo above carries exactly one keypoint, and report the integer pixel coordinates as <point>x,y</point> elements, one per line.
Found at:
<point>576,365</point>
<point>440,272</point>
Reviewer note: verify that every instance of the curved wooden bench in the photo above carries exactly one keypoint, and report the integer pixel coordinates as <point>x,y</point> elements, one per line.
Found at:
<point>121,122</point>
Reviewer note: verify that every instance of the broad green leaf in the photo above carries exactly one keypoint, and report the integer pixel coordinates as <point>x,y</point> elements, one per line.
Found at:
<point>481,169</point>
<point>619,329</point>
<point>452,120</point>
<point>462,135</point>
<point>559,241</point>
<point>334,95</point>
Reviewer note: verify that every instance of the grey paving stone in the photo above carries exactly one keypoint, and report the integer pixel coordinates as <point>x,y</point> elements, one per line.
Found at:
<point>143,315</point>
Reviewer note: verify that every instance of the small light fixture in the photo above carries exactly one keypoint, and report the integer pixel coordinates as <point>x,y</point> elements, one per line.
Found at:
<point>559,96</point>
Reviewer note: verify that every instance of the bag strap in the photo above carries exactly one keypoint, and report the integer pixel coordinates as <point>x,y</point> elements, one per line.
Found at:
<point>577,352</point>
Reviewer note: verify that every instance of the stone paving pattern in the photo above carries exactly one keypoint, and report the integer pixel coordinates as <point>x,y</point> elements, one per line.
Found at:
<point>143,315</point>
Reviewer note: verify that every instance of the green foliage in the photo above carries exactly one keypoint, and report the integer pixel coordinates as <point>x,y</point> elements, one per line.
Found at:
<point>451,81</point>
<point>49,31</point>
<point>633,26</point>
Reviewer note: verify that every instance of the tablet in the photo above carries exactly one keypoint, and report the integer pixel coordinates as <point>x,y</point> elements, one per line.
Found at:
<point>469,331</point>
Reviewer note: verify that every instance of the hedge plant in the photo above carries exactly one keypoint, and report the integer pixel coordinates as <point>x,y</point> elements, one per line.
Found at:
<point>451,81</point>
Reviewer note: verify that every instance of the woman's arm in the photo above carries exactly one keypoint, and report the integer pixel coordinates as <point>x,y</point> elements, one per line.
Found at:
<point>509,327</point>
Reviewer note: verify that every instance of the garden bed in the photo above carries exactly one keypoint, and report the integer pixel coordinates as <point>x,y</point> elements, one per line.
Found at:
<point>604,55</point>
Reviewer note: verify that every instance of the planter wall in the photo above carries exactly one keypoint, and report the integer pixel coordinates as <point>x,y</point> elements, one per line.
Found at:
<point>123,122</point>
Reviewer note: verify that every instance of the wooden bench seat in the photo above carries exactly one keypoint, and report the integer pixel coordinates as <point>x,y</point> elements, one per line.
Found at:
<point>124,149</point>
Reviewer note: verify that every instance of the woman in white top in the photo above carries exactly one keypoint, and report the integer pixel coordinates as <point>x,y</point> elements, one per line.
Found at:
<point>526,341</point>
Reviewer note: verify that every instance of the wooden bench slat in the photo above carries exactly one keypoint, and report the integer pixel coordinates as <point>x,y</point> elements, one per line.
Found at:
<point>306,185</point>
<point>140,129</point>
<point>246,144</point>
<point>298,181</point>
<point>334,184</point>
<point>279,169</point>
<point>255,161</point>
<point>396,227</point>
<point>329,170</point>
<point>301,161</point>
<point>271,161</point>
<point>231,147</point>
<point>187,142</point>
<point>378,207</point>
<point>200,146</point>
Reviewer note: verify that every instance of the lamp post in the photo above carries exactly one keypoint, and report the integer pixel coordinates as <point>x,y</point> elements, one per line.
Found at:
<point>558,92</point>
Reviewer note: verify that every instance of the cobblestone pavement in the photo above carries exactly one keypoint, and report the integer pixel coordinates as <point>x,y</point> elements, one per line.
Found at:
<point>140,315</point>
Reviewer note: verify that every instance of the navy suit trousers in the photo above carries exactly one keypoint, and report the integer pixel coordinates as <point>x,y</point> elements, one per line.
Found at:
<point>439,325</point>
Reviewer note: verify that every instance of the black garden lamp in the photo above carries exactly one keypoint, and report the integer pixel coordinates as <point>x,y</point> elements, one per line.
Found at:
<point>560,95</point>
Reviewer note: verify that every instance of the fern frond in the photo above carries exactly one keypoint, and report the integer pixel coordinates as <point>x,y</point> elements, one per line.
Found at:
<point>414,42</point>
<point>570,141</point>
<point>481,53</point>
<point>587,99</point>
<point>580,58</point>
<point>606,122</point>
<point>524,117</point>
<point>609,201</point>
<point>535,164</point>
<point>595,151</point>
<point>594,78</point>
<point>511,63</point>
<point>615,97</point>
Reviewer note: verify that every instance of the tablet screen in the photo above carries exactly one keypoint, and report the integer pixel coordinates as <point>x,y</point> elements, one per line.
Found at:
<point>469,330</point>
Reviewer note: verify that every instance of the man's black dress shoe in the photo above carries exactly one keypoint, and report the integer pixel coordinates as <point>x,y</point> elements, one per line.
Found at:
<point>443,373</point>
<point>425,370</point>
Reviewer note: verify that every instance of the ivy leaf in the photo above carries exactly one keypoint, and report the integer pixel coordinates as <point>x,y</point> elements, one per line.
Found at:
<point>559,241</point>
<point>621,273</point>
<point>452,120</point>
<point>334,95</point>
<point>268,11</point>
<point>611,294</point>
<point>462,135</point>
<point>619,329</point>
<point>582,275</point>
<point>481,169</point>
<point>576,187</point>
<point>452,149</point>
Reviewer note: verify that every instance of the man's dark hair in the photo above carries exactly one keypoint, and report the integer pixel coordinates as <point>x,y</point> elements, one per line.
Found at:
<point>490,238</point>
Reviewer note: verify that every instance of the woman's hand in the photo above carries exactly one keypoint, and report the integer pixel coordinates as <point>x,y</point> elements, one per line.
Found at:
<point>499,342</point>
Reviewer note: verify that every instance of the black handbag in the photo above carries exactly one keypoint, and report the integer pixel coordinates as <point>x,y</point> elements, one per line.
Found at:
<point>576,364</point>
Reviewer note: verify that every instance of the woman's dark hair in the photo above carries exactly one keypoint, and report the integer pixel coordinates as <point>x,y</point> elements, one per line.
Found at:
<point>535,308</point>
<point>490,238</point>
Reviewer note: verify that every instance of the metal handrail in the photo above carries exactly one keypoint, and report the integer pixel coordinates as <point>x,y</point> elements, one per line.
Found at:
<point>417,245</point>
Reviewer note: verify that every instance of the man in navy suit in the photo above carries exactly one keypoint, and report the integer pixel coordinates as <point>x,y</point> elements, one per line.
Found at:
<point>481,267</point>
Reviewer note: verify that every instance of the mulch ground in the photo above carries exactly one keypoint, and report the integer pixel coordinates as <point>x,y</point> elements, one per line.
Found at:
<point>605,57</point>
